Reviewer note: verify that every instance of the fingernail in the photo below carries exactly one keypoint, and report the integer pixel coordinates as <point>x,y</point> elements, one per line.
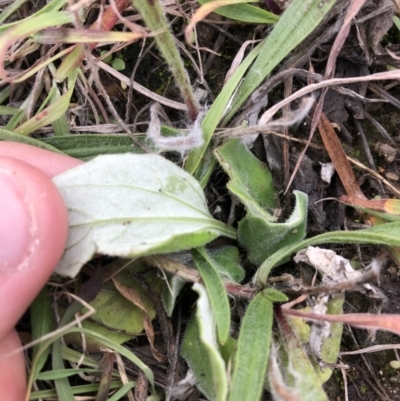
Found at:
<point>15,223</point>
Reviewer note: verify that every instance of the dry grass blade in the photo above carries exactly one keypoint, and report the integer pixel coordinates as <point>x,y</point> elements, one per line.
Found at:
<point>238,59</point>
<point>141,89</point>
<point>339,158</point>
<point>373,348</point>
<point>24,29</point>
<point>362,320</point>
<point>202,13</point>
<point>352,11</point>
<point>131,295</point>
<point>105,22</point>
<point>76,35</point>
<point>380,76</point>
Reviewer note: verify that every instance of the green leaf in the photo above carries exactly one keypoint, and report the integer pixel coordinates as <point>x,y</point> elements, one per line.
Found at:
<point>396,21</point>
<point>118,64</point>
<point>296,23</point>
<point>107,342</point>
<point>227,262</point>
<point>275,295</point>
<point>253,347</point>
<point>88,146</point>
<point>62,385</point>
<point>262,238</point>
<point>331,346</point>
<point>385,234</point>
<point>71,355</point>
<point>216,291</point>
<point>214,115</point>
<point>200,349</point>
<point>6,135</point>
<point>245,13</point>
<point>8,111</point>
<point>54,5</point>
<point>107,59</point>
<point>78,390</point>
<point>300,376</point>
<point>60,125</point>
<point>171,289</point>
<point>250,179</point>
<point>116,317</point>
<point>120,394</point>
<point>133,205</point>
<point>42,321</point>
<point>251,182</point>
<point>11,9</point>
<point>50,114</point>
<point>56,374</point>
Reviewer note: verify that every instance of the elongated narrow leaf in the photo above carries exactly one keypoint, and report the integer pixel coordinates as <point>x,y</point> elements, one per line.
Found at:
<point>108,343</point>
<point>252,350</point>
<point>62,384</point>
<point>385,234</point>
<point>88,146</point>
<point>132,205</point>
<point>54,5</point>
<point>216,291</point>
<point>51,113</point>
<point>60,125</point>
<point>216,112</point>
<point>22,29</point>
<point>8,111</point>
<point>6,135</point>
<point>245,13</point>
<point>42,321</point>
<point>207,8</point>
<point>262,238</point>
<point>296,23</point>
<point>200,349</point>
<point>78,390</point>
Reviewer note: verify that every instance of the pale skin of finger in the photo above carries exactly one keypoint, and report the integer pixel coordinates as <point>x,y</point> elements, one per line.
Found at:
<point>48,162</point>
<point>32,168</point>
<point>12,369</point>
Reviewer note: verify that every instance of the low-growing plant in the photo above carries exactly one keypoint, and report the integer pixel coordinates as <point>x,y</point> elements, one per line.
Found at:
<point>138,206</point>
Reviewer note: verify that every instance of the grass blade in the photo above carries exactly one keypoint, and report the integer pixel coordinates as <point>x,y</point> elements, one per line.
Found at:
<point>245,13</point>
<point>26,28</point>
<point>51,113</point>
<point>296,23</point>
<point>216,291</point>
<point>41,314</point>
<point>217,110</point>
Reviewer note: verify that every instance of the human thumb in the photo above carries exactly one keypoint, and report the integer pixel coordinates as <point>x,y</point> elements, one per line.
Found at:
<point>33,232</point>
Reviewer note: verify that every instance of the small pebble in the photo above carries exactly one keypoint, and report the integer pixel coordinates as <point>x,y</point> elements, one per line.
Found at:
<point>388,152</point>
